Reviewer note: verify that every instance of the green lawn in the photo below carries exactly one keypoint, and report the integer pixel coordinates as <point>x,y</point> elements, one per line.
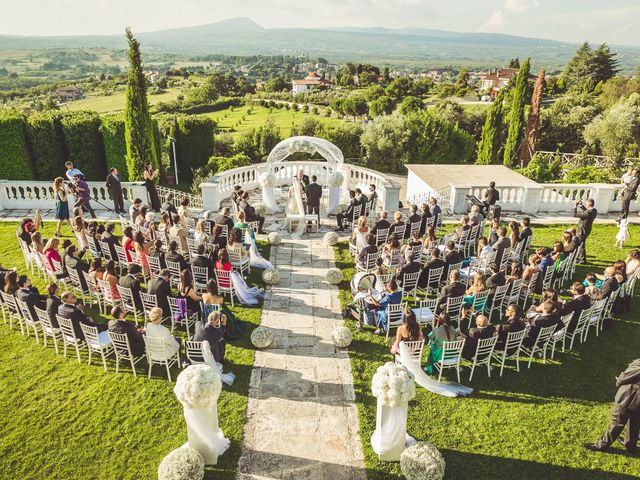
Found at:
<point>527,425</point>
<point>239,119</point>
<point>63,420</point>
<point>115,102</point>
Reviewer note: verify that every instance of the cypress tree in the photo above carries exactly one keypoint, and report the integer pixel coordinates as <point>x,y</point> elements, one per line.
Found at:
<point>532,135</point>
<point>489,145</point>
<point>139,133</point>
<point>516,115</point>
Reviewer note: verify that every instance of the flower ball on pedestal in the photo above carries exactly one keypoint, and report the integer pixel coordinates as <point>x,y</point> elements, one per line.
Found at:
<point>183,463</point>
<point>271,276</point>
<point>261,337</point>
<point>330,238</point>
<point>422,461</point>
<point>274,238</point>
<point>260,208</point>
<point>341,337</point>
<point>334,276</point>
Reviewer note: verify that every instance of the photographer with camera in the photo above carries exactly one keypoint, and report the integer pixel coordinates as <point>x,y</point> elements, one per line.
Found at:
<point>80,189</point>
<point>587,214</point>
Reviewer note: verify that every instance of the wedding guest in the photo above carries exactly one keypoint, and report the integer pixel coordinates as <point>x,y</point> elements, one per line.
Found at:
<point>51,252</point>
<point>168,208</point>
<point>525,230</point>
<point>397,225</point>
<point>579,302</point>
<point>119,324</point>
<point>74,262</point>
<point>160,286</point>
<point>511,324</point>
<point>514,236</point>
<point>130,281</point>
<point>368,250</point>
<point>37,242</point>
<point>150,176</point>
<point>348,213</point>
<point>501,245</point>
<point>96,270</point>
<point>453,289</point>
<point>218,239</point>
<point>142,248</point>
<point>436,211</point>
<point>11,282</point>
<point>134,209</point>
<point>497,277</point>
<point>547,318</point>
<point>225,218</point>
<point>179,232</point>
<point>127,243</point>
<point>443,332</point>
<point>213,333</point>
<point>110,238</point>
<point>184,211</point>
<point>567,242</point>
<point>358,238</point>
<point>111,277</point>
<point>172,255</point>
<point>186,291</point>
<point>409,331</point>
<point>414,218</point>
<point>250,213</point>
<point>202,260</point>
<point>425,215</point>
<point>30,295</point>
<point>494,226</point>
<point>472,336</point>
<point>633,262</point>
<point>409,266</point>
<point>53,303</point>
<point>154,329</point>
<point>391,296</point>
<point>434,263</point>
<point>71,310</point>
<point>381,224</point>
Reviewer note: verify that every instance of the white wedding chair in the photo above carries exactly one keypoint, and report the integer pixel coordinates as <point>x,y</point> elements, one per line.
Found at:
<point>97,342</point>
<point>451,357</point>
<point>69,337</point>
<point>482,356</point>
<point>157,354</point>
<point>540,345</point>
<point>122,350</point>
<point>512,348</point>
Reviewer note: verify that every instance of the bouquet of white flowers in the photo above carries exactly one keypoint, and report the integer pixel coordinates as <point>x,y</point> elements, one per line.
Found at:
<point>335,179</point>
<point>198,386</point>
<point>422,461</point>
<point>330,238</point>
<point>274,238</point>
<point>260,208</point>
<point>334,276</point>
<point>182,464</point>
<point>261,337</point>
<point>267,179</point>
<point>271,276</point>
<point>393,384</point>
<point>341,337</point>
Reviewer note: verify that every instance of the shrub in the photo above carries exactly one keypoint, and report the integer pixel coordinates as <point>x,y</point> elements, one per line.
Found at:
<point>84,143</point>
<point>115,150</point>
<point>14,153</point>
<point>47,144</point>
<point>541,171</point>
<point>589,175</point>
<point>194,143</point>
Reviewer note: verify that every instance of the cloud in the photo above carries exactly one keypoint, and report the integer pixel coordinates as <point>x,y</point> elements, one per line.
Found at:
<point>519,6</point>
<point>496,20</point>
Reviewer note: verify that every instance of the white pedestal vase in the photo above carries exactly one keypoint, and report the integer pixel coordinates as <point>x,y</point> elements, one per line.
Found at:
<point>334,182</point>
<point>198,388</point>
<point>268,181</point>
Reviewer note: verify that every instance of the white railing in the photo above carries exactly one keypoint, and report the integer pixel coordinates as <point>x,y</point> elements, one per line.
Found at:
<point>20,195</point>
<point>560,197</point>
<point>577,159</point>
<point>195,201</point>
<point>511,197</point>
<point>443,197</point>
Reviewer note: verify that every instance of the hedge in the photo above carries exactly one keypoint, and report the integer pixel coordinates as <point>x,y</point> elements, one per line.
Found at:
<point>47,144</point>
<point>115,150</point>
<point>84,143</point>
<point>14,151</point>
<point>194,143</point>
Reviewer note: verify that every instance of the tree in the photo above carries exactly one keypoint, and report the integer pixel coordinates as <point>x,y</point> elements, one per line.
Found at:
<point>367,78</point>
<point>138,128</point>
<point>206,92</point>
<point>411,104</point>
<point>532,135</point>
<point>578,70</point>
<point>373,92</point>
<point>400,88</point>
<point>514,63</point>
<point>277,84</point>
<point>617,132</point>
<point>422,87</point>
<point>562,124</point>
<point>381,106</point>
<point>604,64</point>
<point>489,145</point>
<point>355,106</point>
<point>516,115</point>
<point>462,82</point>
<point>588,67</point>
<point>385,75</point>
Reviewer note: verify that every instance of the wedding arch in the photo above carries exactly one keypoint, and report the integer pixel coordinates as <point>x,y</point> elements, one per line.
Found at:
<point>310,145</point>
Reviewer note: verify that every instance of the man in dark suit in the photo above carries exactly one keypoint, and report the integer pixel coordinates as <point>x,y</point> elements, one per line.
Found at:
<point>169,208</point>
<point>434,263</point>
<point>491,196</point>
<point>53,303</point>
<point>414,217</point>
<point>362,200</point>
<point>235,195</point>
<point>579,303</point>
<point>546,319</point>
<point>74,262</point>
<point>609,285</point>
<point>525,230</point>
<point>512,324</point>
<point>225,219</point>
<point>30,295</point>
<point>410,266</point>
<point>120,325</point>
<point>202,260</point>
<point>435,209</point>
<point>453,289</point>
<point>130,280</point>
<point>250,212</point>
<point>497,278</point>
<point>626,411</point>
<point>69,309</point>
<point>381,224</point>
<point>425,214</point>
<point>172,255</point>
<point>314,193</point>
<point>481,331</point>
<point>348,213</point>
<point>161,288</point>
<point>628,192</point>
<point>115,189</point>
<point>501,244</point>
<point>586,216</point>
<point>110,239</point>
<point>213,333</point>
<point>451,257</point>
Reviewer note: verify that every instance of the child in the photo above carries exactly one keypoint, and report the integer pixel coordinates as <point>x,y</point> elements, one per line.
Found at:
<point>623,233</point>
<point>591,284</point>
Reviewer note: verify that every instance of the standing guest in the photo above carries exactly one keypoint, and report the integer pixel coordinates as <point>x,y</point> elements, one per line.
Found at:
<point>586,216</point>
<point>629,192</point>
<point>53,303</point>
<point>160,286</point>
<point>172,255</point>
<point>512,324</point>
<point>168,207</point>
<point>235,195</point>
<point>491,196</point>
<point>154,329</point>
<point>149,181</point>
<point>482,331</point>
<point>114,186</point>
<point>314,194</point>
<point>120,325</point>
<point>134,209</point>
<point>62,204</point>
<point>83,194</point>
<point>130,281</point>
<point>443,332</point>
<point>178,231</point>
<point>436,211</point>
<point>626,411</point>
<point>71,171</point>
<point>373,196</point>
<point>348,213</point>
<point>409,331</point>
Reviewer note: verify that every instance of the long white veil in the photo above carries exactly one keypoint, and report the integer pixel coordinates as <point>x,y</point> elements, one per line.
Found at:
<point>296,207</point>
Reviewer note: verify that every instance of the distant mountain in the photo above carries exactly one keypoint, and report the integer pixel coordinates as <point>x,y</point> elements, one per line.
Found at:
<point>242,36</point>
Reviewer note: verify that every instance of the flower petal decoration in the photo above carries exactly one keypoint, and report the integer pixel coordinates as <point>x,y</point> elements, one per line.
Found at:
<point>261,337</point>
<point>334,276</point>
<point>422,461</point>
<point>271,276</point>
<point>183,463</point>
<point>341,337</point>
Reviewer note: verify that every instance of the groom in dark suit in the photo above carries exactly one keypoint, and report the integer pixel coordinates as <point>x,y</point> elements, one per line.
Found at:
<point>314,193</point>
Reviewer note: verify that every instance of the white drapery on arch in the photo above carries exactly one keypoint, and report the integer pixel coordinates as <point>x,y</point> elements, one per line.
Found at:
<point>310,145</point>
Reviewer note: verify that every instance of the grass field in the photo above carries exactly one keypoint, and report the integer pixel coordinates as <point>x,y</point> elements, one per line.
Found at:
<point>243,118</point>
<point>115,103</point>
<point>527,425</point>
<point>64,420</point>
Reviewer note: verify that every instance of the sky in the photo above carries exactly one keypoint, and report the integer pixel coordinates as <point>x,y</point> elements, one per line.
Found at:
<point>612,21</point>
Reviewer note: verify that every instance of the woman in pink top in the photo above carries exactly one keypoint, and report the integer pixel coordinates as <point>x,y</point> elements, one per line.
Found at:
<point>51,252</point>
<point>127,244</point>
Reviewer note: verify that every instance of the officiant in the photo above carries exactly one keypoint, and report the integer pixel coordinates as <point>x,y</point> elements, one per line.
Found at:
<point>304,180</point>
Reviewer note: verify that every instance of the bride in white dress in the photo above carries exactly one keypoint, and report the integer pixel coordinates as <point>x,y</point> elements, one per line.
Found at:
<point>295,207</point>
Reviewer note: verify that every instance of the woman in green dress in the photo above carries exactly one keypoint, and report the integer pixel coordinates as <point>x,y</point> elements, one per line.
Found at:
<point>443,332</point>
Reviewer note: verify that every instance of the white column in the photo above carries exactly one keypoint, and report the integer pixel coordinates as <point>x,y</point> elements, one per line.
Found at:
<point>531,200</point>
<point>3,195</point>
<point>211,196</point>
<point>603,194</point>
<point>138,190</point>
<point>391,197</point>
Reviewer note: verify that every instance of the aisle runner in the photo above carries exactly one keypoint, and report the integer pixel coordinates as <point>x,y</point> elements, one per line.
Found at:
<point>302,422</point>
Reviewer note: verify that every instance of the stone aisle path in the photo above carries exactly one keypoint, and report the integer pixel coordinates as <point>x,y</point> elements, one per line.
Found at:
<point>302,422</point>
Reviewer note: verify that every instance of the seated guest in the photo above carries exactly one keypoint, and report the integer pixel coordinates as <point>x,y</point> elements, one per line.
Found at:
<point>30,295</point>
<point>391,249</point>
<point>494,226</point>
<point>134,209</point>
<point>497,278</point>
<point>53,303</point>
<point>154,329</point>
<point>575,239</point>
<point>51,253</point>
<point>127,242</point>
<point>202,260</point>
<point>532,268</point>
<point>391,296</point>
<point>213,333</point>
<point>397,224</point>
<point>453,289</point>
<point>156,251</point>
<point>413,219</point>
<point>425,215</point>
<point>591,284</point>
<point>409,266</point>
<point>11,283</point>
<point>434,263</point>
<point>200,236</point>
<point>545,259</point>
<point>502,243</point>
<point>575,306</point>
<point>225,219</point>
<point>160,286</point>
<point>207,216</point>
<point>551,295</point>
<point>414,242</point>
<point>547,318</point>
<point>184,211</point>
<point>516,272</point>
<point>632,262</point>
<point>557,255</point>
<point>119,324</point>
<point>464,226</point>
<point>514,236</point>
<point>111,276</point>
<point>218,240</point>
<point>173,256</point>
<point>452,256</point>
<point>37,242</point>
<point>482,330</point>
<point>360,231</point>
<point>130,281</point>
<point>110,239</point>
<point>525,230</point>
<point>443,332</point>
<point>210,298</point>
<point>409,331</point>
<point>511,323</point>
<point>74,262</point>
<point>478,285</point>
<point>368,250</point>
<point>142,249</point>
<point>430,240</point>
<point>609,284</point>
<point>74,312</point>
<point>168,208</point>
<point>381,224</point>
<point>187,292</point>
<point>567,243</point>
<point>96,270</point>
<point>178,231</point>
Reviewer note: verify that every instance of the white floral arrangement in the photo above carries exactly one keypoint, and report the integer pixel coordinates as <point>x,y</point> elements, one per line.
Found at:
<point>271,276</point>
<point>260,208</point>
<point>334,276</point>
<point>267,179</point>
<point>330,238</point>
<point>198,386</point>
<point>335,179</point>
<point>182,464</point>
<point>422,461</point>
<point>261,337</point>
<point>341,337</point>
<point>274,238</point>
<point>393,384</point>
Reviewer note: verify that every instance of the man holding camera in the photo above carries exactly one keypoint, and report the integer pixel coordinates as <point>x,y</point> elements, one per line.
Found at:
<point>80,189</point>
<point>587,214</point>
